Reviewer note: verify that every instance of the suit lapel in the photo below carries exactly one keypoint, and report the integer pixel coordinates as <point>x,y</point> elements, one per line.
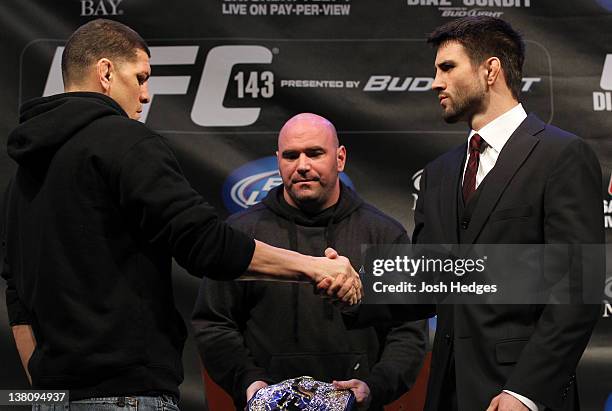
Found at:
<point>511,158</point>
<point>449,186</point>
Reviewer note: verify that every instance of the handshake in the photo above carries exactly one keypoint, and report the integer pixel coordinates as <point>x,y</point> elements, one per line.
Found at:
<point>338,279</point>
<point>332,275</point>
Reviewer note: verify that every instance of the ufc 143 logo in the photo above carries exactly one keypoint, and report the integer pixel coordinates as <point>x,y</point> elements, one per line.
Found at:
<point>208,109</point>
<point>602,100</point>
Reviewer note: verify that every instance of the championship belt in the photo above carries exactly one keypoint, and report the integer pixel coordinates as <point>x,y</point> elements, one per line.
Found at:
<point>301,394</point>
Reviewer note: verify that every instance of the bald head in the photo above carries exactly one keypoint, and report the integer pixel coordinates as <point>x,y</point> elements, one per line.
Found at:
<point>309,124</point>
<point>309,160</point>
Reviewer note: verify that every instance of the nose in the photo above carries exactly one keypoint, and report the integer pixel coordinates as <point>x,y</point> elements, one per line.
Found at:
<point>438,84</point>
<point>303,165</point>
<point>144,93</point>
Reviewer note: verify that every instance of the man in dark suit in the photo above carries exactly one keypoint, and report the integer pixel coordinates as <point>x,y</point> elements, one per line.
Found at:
<point>516,180</point>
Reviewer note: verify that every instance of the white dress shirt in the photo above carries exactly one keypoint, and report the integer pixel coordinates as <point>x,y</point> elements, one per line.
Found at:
<point>496,134</point>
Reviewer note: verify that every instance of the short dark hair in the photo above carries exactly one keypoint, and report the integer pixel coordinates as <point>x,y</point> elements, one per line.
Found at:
<point>95,40</point>
<point>484,37</point>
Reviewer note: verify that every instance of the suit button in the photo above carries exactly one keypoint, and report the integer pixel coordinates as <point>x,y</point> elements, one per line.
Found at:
<point>465,223</point>
<point>447,338</point>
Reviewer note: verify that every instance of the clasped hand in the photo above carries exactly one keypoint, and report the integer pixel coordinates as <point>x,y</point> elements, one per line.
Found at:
<point>336,277</point>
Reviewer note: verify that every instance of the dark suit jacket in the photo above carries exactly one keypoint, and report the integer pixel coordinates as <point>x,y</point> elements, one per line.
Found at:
<point>545,188</point>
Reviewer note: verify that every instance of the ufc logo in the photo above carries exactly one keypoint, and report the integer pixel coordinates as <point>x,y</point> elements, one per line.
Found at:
<point>208,109</point>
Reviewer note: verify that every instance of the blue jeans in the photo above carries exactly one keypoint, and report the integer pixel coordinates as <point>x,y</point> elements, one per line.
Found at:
<point>162,403</point>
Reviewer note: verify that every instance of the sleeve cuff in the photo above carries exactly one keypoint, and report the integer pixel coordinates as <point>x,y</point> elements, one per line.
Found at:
<point>248,378</point>
<point>244,247</point>
<point>237,255</point>
<point>18,314</point>
<point>377,392</point>
<point>526,401</point>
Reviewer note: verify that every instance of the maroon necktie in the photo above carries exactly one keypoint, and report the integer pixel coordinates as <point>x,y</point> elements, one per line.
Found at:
<point>477,144</point>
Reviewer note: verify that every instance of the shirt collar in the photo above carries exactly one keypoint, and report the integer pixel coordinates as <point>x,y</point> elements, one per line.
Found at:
<point>497,132</point>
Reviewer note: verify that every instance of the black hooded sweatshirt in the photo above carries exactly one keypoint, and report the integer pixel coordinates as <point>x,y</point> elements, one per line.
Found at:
<point>91,220</point>
<point>248,331</point>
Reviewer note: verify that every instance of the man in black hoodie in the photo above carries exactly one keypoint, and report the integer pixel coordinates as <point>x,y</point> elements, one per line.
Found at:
<point>90,223</point>
<point>251,334</point>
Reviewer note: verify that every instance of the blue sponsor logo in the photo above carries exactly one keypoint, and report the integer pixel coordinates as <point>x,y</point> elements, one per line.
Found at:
<point>606,4</point>
<point>608,406</point>
<point>249,184</point>
<point>433,323</point>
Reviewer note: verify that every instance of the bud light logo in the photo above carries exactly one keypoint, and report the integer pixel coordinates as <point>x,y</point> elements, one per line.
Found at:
<point>608,288</point>
<point>606,4</point>
<point>250,184</point>
<point>608,406</point>
<point>416,180</point>
<point>433,323</point>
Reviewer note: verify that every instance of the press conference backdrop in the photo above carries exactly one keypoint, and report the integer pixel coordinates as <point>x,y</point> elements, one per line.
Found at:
<point>228,73</point>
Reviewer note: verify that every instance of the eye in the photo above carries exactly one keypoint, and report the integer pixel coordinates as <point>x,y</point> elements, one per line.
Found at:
<point>290,155</point>
<point>142,78</point>
<point>446,67</point>
<point>315,153</point>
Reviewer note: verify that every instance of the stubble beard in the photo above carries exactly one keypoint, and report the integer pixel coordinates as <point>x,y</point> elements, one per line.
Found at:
<point>466,103</point>
<point>311,200</point>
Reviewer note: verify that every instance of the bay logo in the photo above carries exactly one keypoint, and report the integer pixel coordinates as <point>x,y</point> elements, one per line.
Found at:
<point>602,100</point>
<point>100,8</point>
<point>250,183</point>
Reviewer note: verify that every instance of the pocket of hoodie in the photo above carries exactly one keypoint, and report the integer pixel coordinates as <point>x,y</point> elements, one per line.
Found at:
<point>320,366</point>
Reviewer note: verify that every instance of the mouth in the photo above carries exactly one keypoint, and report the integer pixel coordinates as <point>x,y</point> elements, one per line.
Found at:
<point>298,182</point>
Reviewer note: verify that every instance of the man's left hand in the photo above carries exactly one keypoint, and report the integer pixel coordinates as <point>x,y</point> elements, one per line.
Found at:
<point>359,388</point>
<point>506,402</point>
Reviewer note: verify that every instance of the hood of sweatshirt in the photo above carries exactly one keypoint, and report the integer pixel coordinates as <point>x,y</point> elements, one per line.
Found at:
<point>348,202</point>
<point>47,123</point>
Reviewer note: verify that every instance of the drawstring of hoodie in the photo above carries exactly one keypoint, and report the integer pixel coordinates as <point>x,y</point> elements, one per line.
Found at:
<point>295,287</point>
<point>330,241</point>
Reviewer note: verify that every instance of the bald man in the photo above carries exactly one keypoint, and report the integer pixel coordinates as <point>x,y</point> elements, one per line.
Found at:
<point>253,334</point>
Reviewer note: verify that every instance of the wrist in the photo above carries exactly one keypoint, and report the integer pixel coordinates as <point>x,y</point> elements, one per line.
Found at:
<point>302,266</point>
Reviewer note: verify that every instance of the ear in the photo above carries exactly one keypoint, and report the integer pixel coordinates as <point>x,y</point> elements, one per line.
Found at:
<point>278,160</point>
<point>493,67</point>
<point>104,74</point>
<point>341,158</point>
